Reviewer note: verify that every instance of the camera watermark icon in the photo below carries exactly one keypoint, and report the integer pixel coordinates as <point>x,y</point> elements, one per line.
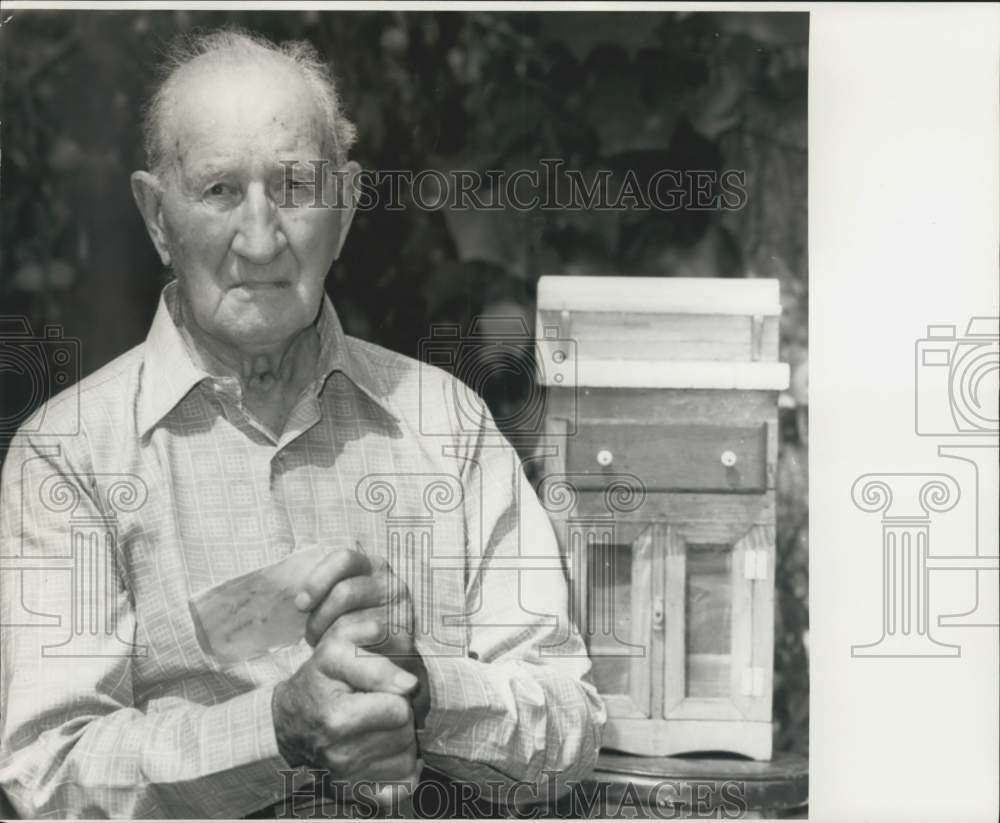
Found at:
<point>956,381</point>
<point>495,357</point>
<point>956,399</point>
<point>31,367</point>
<point>90,561</point>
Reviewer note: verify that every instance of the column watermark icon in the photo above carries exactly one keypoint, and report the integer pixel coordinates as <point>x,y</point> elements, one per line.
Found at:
<point>90,560</point>
<point>956,382</point>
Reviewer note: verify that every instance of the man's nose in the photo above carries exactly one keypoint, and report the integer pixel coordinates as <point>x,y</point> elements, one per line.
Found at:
<point>259,236</point>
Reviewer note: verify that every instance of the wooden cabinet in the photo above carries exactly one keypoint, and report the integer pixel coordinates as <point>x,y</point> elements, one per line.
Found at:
<point>659,478</point>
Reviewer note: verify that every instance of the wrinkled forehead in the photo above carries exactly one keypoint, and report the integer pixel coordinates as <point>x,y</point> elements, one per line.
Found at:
<point>246,112</point>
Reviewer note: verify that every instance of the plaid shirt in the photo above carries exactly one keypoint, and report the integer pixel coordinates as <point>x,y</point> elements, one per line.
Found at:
<point>148,482</point>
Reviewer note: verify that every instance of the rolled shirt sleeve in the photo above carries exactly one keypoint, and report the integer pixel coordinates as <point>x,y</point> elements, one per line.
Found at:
<point>72,742</point>
<point>521,706</point>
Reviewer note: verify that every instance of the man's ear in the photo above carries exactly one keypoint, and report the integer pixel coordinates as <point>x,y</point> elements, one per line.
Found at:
<point>148,194</point>
<point>347,177</point>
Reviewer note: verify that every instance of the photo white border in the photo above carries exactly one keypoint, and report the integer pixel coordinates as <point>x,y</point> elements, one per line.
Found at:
<point>904,209</point>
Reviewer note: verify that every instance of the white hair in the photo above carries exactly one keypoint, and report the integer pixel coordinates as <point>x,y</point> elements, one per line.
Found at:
<point>235,45</point>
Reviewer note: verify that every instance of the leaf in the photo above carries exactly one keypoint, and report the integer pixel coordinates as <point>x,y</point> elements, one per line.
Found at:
<point>770,28</point>
<point>66,155</point>
<point>61,274</point>
<point>30,277</point>
<point>582,33</point>
<point>717,108</point>
<point>498,237</point>
<point>613,107</point>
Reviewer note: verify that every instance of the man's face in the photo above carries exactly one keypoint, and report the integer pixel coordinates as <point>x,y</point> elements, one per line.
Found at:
<point>250,273</point>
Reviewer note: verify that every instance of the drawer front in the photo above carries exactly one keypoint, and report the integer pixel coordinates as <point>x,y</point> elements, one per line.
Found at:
<point>680,457</point>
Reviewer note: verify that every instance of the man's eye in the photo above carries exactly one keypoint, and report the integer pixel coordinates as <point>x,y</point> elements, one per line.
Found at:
<point>218,190</point>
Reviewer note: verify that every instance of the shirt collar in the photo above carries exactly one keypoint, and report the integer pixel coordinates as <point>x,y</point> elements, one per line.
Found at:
<point>337,354</point>
<point>169,372</point>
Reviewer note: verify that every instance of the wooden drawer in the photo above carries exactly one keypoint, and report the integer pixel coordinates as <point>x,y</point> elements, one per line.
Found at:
<point>687,457</point>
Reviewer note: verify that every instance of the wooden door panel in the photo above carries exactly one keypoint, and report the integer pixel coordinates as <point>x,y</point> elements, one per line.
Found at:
<point>616,618</point>
<point>709,667</point>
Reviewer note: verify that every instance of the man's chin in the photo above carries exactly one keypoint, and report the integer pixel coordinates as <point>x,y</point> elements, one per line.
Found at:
<point>261,290</point>
<point>264,324</point>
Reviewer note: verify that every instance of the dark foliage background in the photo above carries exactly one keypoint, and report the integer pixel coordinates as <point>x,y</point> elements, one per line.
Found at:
<point>472,90</point>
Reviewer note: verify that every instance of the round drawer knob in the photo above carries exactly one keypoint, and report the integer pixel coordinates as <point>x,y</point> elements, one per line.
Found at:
<point>604,457</point>
<point>728,458</point>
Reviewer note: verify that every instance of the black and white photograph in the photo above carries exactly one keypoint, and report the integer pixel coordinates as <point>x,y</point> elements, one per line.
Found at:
<point>405,412</point>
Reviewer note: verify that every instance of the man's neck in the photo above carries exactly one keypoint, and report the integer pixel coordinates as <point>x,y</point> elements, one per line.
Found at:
<point>272,377</point>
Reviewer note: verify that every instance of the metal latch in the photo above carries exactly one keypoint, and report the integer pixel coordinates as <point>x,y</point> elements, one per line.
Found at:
<point>658,613</point>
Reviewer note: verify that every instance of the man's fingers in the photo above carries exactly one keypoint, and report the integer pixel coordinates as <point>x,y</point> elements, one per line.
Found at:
<point>375,718</point>
<point>362,670</point>
<point>365,631</point>
<point>400,790</point>
<point>391,775</point>
<point>399,765</point>
<point>336,566</point>
<point>348,595</point>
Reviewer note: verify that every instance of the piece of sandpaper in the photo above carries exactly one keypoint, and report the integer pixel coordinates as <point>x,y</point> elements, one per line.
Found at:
<point>255,613</point>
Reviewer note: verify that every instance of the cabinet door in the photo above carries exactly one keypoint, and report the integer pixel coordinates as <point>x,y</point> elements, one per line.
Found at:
<point>717,662</point>
<point>616,608</point>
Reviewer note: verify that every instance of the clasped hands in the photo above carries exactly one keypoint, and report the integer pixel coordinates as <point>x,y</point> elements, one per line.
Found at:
<point>353,707</point>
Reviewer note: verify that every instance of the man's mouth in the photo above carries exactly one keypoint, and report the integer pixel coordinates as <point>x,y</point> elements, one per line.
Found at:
<point>262,285</point>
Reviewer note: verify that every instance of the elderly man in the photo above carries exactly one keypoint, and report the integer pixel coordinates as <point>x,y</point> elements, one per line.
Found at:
<point>245,428</point>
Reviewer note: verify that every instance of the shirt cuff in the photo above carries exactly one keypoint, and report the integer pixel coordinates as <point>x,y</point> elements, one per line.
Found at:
<point>266,775</point>
<point>462,697</point>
